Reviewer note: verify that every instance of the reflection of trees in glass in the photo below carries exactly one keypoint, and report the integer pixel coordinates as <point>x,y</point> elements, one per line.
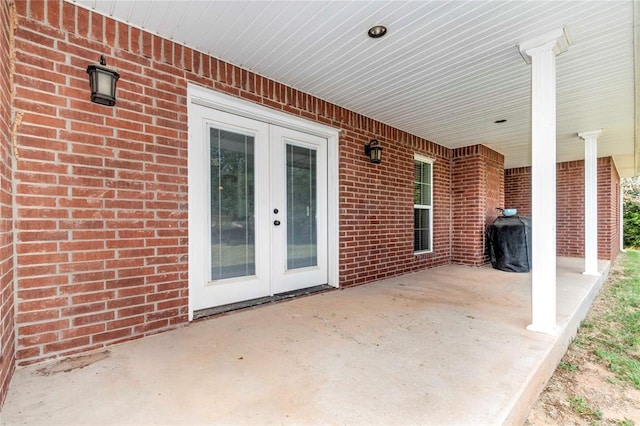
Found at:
<point>301,207</point>
<point>232,204</point>
<point>422,183</point>
<point>422,206</point>
<point>421,229</point>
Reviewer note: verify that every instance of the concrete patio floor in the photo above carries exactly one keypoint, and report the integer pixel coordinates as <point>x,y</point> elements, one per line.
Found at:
<point>442,346</point>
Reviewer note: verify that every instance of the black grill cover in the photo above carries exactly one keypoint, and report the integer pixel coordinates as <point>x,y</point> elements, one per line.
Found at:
<point>509,241</point>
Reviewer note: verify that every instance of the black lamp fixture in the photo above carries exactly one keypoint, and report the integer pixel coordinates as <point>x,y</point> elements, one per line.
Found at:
<point>103,83</point>
<point>374,151</point>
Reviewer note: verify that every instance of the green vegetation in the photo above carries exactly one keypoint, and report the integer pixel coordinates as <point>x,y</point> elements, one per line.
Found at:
<point>580,406</point>
<point>614,337</point>
<point>613,334</point>
<point>608,339</point>
<point>631,211</point>
<point>620,349</point>
<point>568,366</point>
<point>631,224</point>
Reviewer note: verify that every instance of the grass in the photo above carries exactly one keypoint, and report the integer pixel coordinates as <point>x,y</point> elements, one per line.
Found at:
<point>568,366</point>
<point>614,336</point>
<point>611,334</point>
<point>584,410</point>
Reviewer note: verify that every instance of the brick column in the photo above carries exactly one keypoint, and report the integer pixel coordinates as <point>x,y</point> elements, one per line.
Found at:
<point>477,181</point>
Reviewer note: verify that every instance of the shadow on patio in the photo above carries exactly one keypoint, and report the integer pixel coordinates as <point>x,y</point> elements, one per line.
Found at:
<point>442,346</point>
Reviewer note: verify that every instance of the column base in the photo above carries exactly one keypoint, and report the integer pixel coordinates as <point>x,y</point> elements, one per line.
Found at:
<point>553,330</point>
<point>592,274</point>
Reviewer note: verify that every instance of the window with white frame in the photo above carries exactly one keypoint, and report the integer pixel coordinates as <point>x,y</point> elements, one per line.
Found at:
<point>422,204</point>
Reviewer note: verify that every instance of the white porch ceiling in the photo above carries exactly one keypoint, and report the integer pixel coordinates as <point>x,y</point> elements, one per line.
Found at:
<point>445,71</point>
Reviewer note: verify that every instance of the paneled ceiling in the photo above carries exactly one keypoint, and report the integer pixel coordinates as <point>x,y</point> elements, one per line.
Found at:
<point>445,71</point>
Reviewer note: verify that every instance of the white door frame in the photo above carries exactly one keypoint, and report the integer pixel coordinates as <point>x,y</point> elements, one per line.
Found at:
<point>201,96</point>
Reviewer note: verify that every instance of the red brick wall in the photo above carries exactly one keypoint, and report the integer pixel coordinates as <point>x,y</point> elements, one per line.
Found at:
<point>570,204</point>
<point>517,190</point>
<point>7,335</point>
<point>102,192</point>
<point>570,209</point>
<point>608,209</point>
<point>477,176</point>
<point>494,178</point>
<point>376,206</point>
<point>468,209</point>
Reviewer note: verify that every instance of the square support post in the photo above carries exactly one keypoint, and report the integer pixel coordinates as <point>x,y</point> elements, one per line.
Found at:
<point>590,201</point>
<point>541,53</point>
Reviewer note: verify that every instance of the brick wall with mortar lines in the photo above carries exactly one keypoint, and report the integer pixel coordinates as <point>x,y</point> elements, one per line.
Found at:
<point>605,210</point>
<point>7,327</point>
<point>102,195</point>
<point>570,203</point>
<point>616,240</point>
<point>609,223</point>
<point>494,172</point>
<point>477,175</point>
<point>101,192</point>
<point>517,190</point>
<point>570,208</point>
<point>467,173</point>
<point>376,207</point>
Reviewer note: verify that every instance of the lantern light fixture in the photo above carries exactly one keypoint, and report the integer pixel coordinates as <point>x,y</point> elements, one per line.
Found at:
<point>374,151</point>
<point>102,81</point>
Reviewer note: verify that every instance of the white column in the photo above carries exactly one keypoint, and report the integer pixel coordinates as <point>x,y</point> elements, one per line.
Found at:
<point>590,201</point>
<point>541,53</point>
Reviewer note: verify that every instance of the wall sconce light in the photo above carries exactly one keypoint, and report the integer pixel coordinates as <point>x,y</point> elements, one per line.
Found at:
<point>374,151</point>
<point>103,83</point>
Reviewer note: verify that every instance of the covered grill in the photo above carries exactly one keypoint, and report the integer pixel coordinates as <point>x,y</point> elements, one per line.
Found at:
<point>509,242</point>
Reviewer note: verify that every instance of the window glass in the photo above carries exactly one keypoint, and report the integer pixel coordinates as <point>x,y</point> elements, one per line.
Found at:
<point>422,200</point>
<point>302,239</point>
<point>421,229</point>
<point>422,183</point>
<point>232,210</point>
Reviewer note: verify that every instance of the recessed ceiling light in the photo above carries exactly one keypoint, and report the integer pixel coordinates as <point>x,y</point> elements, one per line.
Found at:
<point>377,31</point>
<point>500,121</point>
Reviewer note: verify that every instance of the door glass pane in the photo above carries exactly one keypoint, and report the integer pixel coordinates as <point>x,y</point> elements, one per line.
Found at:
<point>232,208</point>
<point>302,244</point>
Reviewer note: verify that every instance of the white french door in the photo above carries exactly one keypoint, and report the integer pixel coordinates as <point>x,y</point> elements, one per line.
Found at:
<point>258,193</point>
<point>298,209</point>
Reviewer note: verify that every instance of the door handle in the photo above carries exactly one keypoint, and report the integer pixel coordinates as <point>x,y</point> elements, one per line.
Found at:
<point>276,222</point>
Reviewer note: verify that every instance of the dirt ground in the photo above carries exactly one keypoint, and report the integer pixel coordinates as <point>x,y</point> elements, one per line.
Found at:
<point>582,391</point>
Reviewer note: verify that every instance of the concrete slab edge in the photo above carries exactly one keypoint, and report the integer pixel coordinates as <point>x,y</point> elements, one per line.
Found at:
<point>534,385</point>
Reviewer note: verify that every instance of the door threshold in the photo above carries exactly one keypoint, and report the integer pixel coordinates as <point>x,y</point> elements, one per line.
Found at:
<point>217,310</point>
